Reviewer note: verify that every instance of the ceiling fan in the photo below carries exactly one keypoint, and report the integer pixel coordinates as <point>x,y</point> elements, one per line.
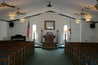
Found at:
<point>20,12</point>
<point>95,7</point>
<point>4,4</point>
<point>49,4</point>
<point>81,12</point>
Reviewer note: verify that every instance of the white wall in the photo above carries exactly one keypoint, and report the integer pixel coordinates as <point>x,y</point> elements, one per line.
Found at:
<point>96,34</point>
<point>60,21</point>
<point>87,34</point>
<point>3,30</point>
<point>75,31</point>
<point>80,32</point>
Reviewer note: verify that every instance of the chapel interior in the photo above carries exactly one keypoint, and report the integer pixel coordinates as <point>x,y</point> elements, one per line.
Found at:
<point>48,32</point>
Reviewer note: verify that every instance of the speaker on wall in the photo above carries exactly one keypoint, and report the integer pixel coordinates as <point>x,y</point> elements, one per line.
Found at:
<point>92,25</point>
<point>11,24</point>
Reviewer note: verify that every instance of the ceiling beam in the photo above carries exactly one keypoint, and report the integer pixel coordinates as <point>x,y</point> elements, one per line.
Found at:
<point>4,20</point>
<point>27,17</point>
<point>46,12</point>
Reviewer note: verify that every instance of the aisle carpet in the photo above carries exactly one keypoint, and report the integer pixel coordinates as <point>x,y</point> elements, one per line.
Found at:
<point>48,57</point>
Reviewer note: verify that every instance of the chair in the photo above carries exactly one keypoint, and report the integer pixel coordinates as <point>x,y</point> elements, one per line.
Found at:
<point>49,41</point>
<point>49,37</point>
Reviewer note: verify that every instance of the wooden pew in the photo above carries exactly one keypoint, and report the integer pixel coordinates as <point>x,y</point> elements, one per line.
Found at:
<point>12,54</point>
<point>5,60</point>
<point>17,51</point>
<point>23,49</point>
<point>90,60</point>
<point>77,56</point>
<point>75,50</point>
<point>28,46</point>
<point>95,62</point>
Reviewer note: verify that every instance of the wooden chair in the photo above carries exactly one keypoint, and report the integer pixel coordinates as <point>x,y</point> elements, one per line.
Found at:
<point>49,41</point>
<point>49,37</point>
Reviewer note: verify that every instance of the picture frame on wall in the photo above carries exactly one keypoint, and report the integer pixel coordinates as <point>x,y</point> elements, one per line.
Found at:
<point>49,25</point>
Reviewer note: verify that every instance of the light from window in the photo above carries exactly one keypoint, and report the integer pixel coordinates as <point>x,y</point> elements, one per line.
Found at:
<point>65,32</point>
<point>34,31</point>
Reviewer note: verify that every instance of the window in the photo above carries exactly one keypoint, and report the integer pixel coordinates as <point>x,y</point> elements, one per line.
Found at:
<point>34,28</point>
<point>66,31</point>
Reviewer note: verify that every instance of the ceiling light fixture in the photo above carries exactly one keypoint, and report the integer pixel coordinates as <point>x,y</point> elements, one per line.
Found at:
<point>22,19</point>
<point>12,15</point>
<point>77,20</point>
<point>88,17</point>
<point>49,4</point>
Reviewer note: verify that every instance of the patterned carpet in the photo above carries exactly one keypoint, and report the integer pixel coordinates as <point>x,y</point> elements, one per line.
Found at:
<point>49,57</point>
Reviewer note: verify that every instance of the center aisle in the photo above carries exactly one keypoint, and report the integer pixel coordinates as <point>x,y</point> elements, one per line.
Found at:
<point>48,57</point>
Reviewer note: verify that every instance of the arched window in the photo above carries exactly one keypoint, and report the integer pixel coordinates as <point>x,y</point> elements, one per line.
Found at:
<point>34,31</point>
<point>66,31</point>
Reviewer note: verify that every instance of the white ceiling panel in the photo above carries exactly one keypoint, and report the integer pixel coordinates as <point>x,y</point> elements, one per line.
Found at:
<point>67,7</point>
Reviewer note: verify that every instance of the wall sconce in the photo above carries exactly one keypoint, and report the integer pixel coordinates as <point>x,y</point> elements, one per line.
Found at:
<point>77,20</point>
<point>22,19</point>
<point>12,15</point>
<point>88,17</point>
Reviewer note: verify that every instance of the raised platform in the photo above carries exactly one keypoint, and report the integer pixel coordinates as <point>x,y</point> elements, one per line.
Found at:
<point>48,45</point>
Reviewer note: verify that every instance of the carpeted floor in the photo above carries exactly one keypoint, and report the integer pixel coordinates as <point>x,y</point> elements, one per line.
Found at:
<point>48,57</point>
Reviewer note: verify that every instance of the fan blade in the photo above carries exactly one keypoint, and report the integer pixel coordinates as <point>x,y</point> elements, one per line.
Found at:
<point>4,4</point>
<point>1,5</point>
<point>22,13</point>
<point>97,1</point>
<point>96,6</point>
<point>9,5</point>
